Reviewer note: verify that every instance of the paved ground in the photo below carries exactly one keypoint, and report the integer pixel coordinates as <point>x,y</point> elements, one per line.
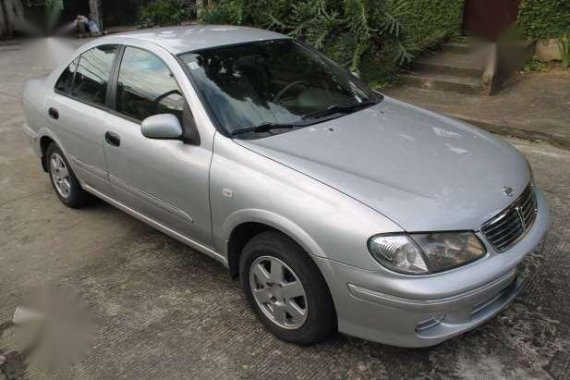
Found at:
<point>533,106</point>
<point>165,311</point>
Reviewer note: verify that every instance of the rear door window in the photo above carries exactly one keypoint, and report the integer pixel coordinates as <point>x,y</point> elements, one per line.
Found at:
<point>93,73</point>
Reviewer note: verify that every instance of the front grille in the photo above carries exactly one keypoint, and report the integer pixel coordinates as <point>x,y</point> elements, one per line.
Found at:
<point>510,225</point>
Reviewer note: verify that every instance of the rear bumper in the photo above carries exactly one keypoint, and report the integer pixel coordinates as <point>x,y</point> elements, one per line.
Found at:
<point>420,311</point>
<point>32,138</point>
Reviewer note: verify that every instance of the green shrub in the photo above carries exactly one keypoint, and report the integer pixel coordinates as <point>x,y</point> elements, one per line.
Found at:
<point>164,12</point>
<point>534,65</point>
<point>428,22</point>
<point>545,18</point>
<point>261,13</point>
<point>224,12</point>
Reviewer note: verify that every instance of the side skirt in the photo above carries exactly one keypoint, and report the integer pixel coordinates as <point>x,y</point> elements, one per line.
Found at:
<point>161,227</point>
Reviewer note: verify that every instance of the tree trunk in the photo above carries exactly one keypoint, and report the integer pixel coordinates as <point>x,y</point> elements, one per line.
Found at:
<point>95,12</point>
<point>202,4</point>
<point>6,18</point>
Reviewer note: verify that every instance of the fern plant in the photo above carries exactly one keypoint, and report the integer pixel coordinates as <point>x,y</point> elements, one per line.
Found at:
<point>344,29</point>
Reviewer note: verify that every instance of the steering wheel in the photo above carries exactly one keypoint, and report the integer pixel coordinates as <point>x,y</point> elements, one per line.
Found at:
<point>278,96</point>
<point>156,102</point>
<point>165,95</point>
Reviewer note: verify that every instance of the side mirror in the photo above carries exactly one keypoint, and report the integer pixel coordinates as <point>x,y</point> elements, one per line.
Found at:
<point>163,127</point>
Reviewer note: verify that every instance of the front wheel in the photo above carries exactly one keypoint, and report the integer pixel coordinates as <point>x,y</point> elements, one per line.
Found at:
<point>286,289</point>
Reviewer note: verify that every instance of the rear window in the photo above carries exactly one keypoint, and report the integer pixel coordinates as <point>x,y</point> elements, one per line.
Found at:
<point>93,73</point>
<point>65,82</point>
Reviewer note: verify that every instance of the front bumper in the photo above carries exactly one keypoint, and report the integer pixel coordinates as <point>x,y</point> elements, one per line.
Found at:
<point>420,311</point>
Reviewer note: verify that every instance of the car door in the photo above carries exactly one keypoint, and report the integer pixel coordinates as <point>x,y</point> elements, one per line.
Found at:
<point>166,180</point>
<point>76,110</point>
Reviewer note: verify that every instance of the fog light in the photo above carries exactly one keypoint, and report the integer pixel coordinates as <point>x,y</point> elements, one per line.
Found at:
<point>429,323</point>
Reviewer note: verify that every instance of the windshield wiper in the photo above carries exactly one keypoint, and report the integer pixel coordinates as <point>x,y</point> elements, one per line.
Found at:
<point>267,127</point>
<point>347,108</point>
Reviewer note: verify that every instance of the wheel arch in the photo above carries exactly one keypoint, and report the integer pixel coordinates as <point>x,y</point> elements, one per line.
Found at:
<point>242,226</point>
<point>45,137</point>
<point>45,141</point>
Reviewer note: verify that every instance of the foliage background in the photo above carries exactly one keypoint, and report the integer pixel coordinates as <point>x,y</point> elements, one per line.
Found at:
<point>545,18</point>
<point>428,22</point>
<point>372,37</point>
<point>164,12</point>
<point>120,12</point>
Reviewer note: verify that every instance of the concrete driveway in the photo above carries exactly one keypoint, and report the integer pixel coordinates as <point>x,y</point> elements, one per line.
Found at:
<point>165,311</point>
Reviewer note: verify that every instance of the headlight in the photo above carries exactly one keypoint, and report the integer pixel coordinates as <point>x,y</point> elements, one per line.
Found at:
<point>426,253</point>
<point>398,252</point>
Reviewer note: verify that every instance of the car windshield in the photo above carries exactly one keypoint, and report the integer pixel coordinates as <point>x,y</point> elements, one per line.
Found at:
<point>271,87</point>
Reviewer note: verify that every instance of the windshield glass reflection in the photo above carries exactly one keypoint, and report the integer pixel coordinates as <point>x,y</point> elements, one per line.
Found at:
<point>273,82</point>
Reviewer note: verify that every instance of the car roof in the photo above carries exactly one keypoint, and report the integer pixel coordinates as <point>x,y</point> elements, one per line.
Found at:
<point>182,39</point>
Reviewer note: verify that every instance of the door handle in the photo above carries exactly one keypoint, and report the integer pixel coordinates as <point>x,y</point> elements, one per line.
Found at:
<point>112,138</point>
<point>53,113</point>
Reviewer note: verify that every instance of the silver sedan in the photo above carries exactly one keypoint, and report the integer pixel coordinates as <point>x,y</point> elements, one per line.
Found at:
<point>336,207</point>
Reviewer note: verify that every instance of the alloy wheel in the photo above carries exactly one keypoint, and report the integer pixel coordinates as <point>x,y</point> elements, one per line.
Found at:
<point>60,175</point>
<point>278,292</point>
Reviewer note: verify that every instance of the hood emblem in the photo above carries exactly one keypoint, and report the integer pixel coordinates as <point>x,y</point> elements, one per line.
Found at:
<point>521,217</point>
<point>508,191</point>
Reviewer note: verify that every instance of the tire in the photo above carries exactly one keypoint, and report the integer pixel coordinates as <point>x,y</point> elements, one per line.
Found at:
<point>64,182</point>
<point>308,318</point>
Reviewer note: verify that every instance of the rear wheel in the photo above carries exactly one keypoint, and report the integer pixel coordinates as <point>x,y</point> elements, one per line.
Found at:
<point>63,180</point>
<point>286,289</point>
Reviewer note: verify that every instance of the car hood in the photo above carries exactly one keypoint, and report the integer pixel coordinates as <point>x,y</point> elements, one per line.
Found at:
<point>422,170</point>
